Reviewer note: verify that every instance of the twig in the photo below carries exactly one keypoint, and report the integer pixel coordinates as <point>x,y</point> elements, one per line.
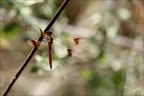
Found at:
<point>31,54</point>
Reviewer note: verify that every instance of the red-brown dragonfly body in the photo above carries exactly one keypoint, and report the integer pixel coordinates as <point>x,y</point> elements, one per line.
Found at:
<point>50,42</point>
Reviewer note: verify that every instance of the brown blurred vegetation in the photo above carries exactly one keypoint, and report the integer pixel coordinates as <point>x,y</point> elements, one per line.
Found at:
<point>110,62</point>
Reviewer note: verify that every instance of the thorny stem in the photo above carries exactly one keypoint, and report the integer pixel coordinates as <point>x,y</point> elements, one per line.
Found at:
<point>31,54</point>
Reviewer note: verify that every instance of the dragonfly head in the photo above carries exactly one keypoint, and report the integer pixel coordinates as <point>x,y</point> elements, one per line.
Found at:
<point>49,33</point>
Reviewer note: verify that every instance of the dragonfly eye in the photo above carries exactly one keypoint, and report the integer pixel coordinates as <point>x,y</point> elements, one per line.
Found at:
<point>49,33</point>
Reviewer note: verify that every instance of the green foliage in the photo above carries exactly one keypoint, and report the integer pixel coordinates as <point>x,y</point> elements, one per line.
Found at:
<point>85,74</point>
<point>34,69</point>
<point>11,29</point>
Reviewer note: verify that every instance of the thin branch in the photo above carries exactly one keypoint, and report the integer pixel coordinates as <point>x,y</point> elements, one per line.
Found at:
<point>31,54</point>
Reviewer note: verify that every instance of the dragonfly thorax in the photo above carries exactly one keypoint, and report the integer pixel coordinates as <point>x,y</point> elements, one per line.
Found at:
<point>48,37</point>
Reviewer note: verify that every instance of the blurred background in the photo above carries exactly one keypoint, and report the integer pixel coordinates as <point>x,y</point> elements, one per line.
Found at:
<point>109,62</point>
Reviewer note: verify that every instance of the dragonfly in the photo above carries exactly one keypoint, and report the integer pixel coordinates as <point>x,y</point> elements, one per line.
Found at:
<point>48,38</point>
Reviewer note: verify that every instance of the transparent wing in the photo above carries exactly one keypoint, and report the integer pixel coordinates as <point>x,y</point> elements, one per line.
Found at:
<point>62,51</point>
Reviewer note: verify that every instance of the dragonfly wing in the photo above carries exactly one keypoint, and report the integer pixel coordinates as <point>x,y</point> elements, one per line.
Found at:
<point>61,51</point>
<point>71,52</point>
<point>76,41</point>
<point>33,43</point>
